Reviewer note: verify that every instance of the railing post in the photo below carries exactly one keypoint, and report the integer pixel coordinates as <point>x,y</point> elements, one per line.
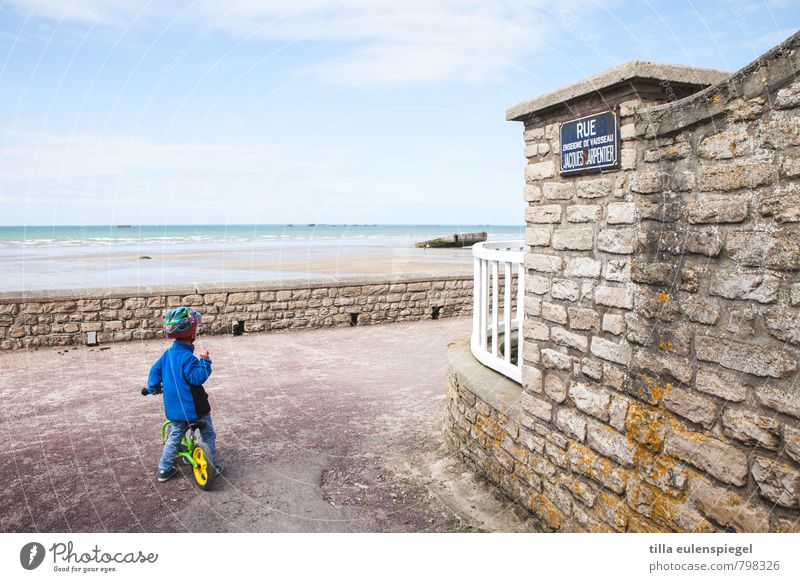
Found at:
<point>495,293</point>
<point>507,313</point>
<point>484,302</point>
<point>476,300</point>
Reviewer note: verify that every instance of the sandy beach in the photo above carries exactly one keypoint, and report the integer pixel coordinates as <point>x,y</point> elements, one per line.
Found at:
<point>222,265</point>
<point>76,259</point>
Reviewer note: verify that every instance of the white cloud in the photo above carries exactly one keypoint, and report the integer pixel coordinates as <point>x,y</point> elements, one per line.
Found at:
<point>411,63</point>
<point>121,178</point>
<point>414,40</point>
<point>78,155</point>
<point>92,12</point>
<point>91,165</point>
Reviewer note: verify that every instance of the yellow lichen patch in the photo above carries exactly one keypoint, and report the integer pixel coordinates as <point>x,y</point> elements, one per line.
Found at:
<point>590,464</point>
<point>663,297</point>
<point>664,345</point>
<point>647,425</point>
<point>545,510</point>
<point>650,390</point>
<point>489,427</point>
<point>648,501</point>
<point>583,457</point>
<point>664,510</point>
<point>697,437</point>
<point>519,452</point>
<point>478,435</point>
<point>506,425</point>
<point>612,510</point>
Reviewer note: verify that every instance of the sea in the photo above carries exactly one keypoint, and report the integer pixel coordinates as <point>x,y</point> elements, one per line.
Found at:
<point>36,258</point>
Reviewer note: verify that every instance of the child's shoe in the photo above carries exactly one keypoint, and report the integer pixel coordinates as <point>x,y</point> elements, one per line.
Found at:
<point>166,475</point>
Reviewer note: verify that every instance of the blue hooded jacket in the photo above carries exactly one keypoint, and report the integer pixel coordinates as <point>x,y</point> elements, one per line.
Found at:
<point>181,375</point>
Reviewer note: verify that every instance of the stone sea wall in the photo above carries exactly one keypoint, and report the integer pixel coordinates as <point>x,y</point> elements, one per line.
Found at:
<point>662,340</point>
<point>64,317</point>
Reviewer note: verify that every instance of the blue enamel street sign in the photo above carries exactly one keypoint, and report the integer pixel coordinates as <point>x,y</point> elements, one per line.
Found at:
<point>590,143</point>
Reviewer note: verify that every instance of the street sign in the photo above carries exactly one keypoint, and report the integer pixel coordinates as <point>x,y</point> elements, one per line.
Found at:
<point>590,143</point>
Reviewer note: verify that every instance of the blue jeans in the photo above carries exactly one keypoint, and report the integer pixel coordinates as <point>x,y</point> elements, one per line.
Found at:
<point>173,441</point>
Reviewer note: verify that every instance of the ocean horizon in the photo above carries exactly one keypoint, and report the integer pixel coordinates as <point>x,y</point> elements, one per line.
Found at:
<point>107,256</point>
<point>169,233</point>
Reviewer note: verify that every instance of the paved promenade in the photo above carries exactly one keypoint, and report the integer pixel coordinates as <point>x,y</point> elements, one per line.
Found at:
<point>321,430</point>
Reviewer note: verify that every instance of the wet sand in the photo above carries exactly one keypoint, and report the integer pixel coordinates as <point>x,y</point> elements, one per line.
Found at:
<point>115,267</point>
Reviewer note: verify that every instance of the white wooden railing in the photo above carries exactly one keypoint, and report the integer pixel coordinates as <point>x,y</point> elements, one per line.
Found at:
<point>492,335</point>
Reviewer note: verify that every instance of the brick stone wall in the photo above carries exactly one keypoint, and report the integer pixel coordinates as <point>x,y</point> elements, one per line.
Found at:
<point>63,317</point>
<point>662,344</point>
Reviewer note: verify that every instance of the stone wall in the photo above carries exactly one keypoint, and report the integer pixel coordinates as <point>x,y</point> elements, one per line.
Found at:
<point>63,317</point>
<point>662,343</point>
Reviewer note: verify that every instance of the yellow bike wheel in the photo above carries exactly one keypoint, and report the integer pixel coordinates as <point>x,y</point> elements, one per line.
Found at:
<point>205,472</point>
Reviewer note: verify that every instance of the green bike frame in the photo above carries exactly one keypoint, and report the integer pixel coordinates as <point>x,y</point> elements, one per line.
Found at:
<point>187,444</point>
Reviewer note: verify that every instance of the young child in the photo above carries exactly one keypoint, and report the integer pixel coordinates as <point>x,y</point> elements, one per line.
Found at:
<point>181,374</point>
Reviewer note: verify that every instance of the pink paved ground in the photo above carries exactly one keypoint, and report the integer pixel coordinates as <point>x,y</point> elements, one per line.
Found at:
<point>321,430</point>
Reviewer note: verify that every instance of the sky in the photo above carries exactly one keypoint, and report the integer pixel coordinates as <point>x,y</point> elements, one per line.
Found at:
<point>297,111</point>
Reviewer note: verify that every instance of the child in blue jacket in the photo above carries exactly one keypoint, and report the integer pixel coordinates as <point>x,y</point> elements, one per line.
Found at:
<point>180,374</point>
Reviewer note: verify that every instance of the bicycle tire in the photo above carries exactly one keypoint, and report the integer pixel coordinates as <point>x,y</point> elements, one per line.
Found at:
<point>205,472</point>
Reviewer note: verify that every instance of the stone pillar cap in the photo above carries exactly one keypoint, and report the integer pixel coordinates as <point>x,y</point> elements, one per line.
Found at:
<point>632,70</point>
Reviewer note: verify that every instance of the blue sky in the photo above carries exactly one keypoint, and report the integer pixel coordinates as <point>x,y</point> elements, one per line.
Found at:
<point>346,111</point>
